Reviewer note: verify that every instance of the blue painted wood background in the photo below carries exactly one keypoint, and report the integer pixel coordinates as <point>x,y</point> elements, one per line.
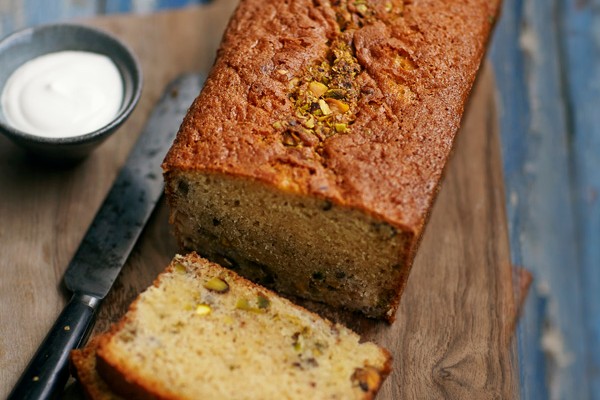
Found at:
<point>546,56</point>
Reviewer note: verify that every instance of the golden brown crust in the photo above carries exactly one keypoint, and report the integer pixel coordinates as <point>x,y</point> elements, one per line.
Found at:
<point>410,115</point>
<point>122,381</point>
<point>83,368</point>
<point>383,374</point>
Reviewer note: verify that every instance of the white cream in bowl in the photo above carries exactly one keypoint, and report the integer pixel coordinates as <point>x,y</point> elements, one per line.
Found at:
<point>63,94</point>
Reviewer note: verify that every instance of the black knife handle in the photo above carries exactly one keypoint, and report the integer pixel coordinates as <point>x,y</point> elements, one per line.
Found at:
<point>47,372</point>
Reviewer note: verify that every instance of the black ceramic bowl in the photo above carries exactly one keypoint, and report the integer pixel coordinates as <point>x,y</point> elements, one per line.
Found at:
<point>24,45</point>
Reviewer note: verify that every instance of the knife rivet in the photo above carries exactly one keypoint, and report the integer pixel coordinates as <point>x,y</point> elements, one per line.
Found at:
<point>67,328</point>
<point>36,378</point>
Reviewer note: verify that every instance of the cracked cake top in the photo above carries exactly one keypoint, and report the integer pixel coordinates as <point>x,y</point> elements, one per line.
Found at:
<point>354,101</point>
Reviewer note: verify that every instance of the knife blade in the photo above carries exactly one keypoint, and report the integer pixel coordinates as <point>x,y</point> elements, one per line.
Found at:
<point>109,241</point>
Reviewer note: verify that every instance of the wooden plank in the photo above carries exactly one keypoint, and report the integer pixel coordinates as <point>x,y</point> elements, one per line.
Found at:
<point>580,40</point>
<point>534,123</point>
<point>452,338</point>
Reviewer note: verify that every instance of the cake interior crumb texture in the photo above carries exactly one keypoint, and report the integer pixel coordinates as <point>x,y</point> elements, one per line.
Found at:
<point>202,332</point>
<point>293,244</point>
<point>311,160</point>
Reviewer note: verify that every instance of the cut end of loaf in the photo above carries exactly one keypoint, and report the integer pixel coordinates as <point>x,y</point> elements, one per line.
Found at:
<point>300,246</point>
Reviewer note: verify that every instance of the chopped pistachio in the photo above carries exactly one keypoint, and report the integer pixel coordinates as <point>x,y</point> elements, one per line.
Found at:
<point>309,123</point>
<point>298,345</point>
<point>388,6</point>
<point>243,304</point>
<point>362,9</point>
<point>203,309</point>
<point>326,93</point>
<point>217,285</point>
<point>324,107</point>
<point>180,268</point>
<point>336,93</point>
<point>337,105</point>
<point>340,128</point>
<point>318,111</point>
<point>262,302</point>
<point>293,82</point>
<point>277,125</point>
<point>317,88</point>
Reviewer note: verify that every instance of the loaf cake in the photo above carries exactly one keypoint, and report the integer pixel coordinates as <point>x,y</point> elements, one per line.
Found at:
<point>312,157</point>
<point>203,332</point>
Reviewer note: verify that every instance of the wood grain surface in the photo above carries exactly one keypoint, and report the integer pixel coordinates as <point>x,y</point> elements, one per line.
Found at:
<point>452,336</point>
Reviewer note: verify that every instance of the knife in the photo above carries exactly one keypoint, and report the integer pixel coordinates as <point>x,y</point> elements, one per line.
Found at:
<point>108,242</point>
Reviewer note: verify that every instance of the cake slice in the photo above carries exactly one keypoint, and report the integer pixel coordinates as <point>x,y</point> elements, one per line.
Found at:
<point>203,332</point>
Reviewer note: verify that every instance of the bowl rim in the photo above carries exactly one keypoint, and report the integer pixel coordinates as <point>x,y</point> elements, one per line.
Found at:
<point>124,113</point>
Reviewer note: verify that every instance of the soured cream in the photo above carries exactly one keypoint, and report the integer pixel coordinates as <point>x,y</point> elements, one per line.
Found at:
<point>63,94</point>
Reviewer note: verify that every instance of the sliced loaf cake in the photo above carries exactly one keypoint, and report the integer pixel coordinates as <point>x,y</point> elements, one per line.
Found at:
<point>311,159</point>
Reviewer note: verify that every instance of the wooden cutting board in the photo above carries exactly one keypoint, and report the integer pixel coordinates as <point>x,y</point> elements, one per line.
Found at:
<point>452,336</point>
